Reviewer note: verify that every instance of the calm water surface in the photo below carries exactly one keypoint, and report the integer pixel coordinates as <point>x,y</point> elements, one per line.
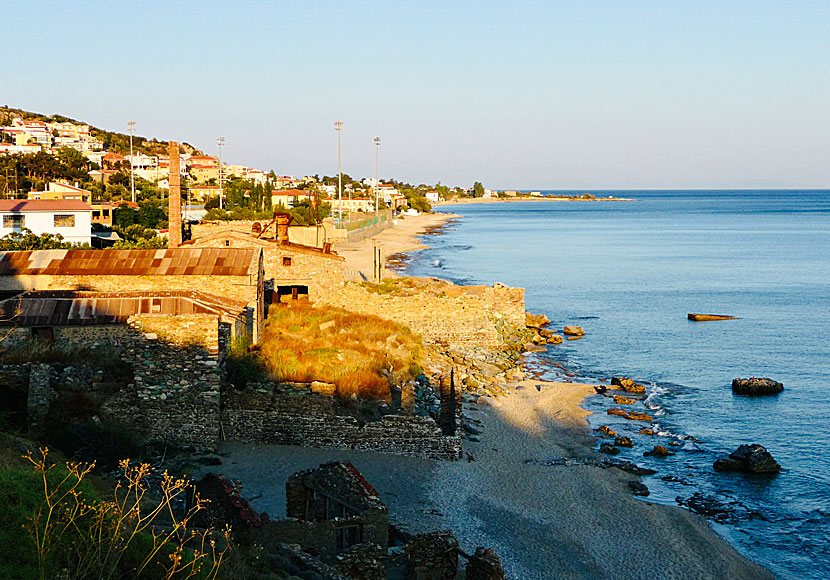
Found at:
<point>628,273</point>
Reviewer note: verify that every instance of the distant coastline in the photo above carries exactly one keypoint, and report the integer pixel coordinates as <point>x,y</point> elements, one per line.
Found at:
<point>466,200</point>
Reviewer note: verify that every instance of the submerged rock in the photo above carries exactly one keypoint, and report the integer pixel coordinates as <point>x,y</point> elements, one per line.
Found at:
<point>748,459</point>
<point>755,386</point>
<point>608,449</point>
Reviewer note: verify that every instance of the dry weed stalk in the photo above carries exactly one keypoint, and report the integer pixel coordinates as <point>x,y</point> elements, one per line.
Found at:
<point>94,535</point>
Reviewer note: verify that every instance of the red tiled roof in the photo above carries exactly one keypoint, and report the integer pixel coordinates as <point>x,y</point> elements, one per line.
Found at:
<point>21,205</point>
<point>170,262</point>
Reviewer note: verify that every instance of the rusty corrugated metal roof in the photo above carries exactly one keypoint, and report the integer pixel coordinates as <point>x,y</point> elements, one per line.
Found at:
<point>170,262</point>
<point>66,307</point>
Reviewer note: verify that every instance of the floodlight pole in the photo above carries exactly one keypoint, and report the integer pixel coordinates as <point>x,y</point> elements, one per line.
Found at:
<point>221,142</point>
<point>338,126</point>
<point>377,174</point>
<point>131,130</point>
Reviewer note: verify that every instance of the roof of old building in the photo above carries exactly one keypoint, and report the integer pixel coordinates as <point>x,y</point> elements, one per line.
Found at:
<point>261,242</point>
<point>170,262</point>
<point>67,307</point>
<point>20,205</point>
<point>342,481</point>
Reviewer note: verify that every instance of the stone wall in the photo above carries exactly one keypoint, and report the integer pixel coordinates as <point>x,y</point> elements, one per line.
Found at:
<point>271,414</point>
<point>443,313</point>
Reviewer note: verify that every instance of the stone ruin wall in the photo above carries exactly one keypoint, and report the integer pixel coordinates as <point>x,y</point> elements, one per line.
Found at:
<point>446,314</point>
<point>291,416</point>
<point>174,396</point>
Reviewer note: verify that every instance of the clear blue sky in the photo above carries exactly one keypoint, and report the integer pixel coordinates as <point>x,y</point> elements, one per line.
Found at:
<point>538,95</point>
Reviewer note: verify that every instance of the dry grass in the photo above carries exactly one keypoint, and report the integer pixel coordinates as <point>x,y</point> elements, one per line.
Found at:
<point>352,352</point>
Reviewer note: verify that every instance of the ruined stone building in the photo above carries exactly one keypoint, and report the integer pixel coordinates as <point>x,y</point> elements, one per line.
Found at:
<point>292,271</point>
<point>227,273</point>
<point>172,340</point>
<point>330,509</point>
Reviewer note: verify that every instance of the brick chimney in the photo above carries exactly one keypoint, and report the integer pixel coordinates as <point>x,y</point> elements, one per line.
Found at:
<point>175,199</point>
<point>283,220</point>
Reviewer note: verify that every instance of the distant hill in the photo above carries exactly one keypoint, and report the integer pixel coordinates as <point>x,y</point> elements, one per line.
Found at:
<point>113,141</point>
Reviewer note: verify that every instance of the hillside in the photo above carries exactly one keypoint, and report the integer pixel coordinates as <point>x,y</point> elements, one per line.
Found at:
<point>113,141</point>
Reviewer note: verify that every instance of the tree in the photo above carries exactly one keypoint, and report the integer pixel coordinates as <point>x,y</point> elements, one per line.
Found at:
<point>478,189</point>
<point>26,239</point>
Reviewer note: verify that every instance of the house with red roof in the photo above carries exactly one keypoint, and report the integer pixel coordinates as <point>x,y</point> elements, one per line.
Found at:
<point>69,218</point>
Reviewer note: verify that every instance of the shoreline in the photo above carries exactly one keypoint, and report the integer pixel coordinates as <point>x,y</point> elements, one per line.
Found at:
<point>540,515</point>
<point>469,200</point>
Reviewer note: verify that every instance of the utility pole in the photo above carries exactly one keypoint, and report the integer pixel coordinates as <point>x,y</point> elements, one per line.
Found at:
<point>221,142</point>
<point>338,126</point>
<point>131,130</point>
<point>377,175</point>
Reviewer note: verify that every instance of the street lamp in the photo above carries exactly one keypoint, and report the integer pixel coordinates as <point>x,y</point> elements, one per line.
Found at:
<point>377,173</point>
<point>338,126</point>
<point>221,142</point>
<point>131,130</point>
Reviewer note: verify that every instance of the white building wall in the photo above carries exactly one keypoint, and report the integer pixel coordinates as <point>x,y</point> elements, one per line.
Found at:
<point>43,222</point>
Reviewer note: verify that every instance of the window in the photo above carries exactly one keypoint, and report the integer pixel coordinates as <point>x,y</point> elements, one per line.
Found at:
<point>286,260</point>
<point>227,243</point>
<point>65,220</point>
<point>14,222</point>
<point>348,536</point>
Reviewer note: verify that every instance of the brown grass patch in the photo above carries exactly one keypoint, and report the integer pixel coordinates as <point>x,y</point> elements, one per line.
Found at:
<point>351,350</point>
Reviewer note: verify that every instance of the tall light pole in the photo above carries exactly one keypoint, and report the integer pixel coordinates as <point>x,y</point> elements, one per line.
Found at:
<point>221,142</point>
<point>377,174</point>
<point>131,130</point>
<point>338,126</point>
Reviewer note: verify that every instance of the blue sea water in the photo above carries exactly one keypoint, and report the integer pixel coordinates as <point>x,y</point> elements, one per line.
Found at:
<point>628,273</point>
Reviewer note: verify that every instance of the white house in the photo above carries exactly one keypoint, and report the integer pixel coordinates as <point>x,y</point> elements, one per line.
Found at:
<point>70,218</point>
<point>432,196</point>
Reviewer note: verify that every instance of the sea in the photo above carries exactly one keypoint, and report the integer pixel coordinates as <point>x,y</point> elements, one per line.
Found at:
<point>628,273</point>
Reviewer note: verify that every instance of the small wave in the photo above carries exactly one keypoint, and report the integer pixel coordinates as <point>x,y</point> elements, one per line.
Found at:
<point>437,264</point>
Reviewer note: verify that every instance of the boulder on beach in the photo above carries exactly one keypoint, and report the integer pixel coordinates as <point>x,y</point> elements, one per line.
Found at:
<point>756,386</point>
<point>709,317</point>
<point>488,401</point>
<point>748,459</point>
<point>536,320</point>
<point>573,331</point>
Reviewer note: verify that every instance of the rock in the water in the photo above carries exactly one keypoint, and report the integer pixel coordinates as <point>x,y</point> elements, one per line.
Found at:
<point>536,320</point>
<point>600,389</point>
<point>623,400</point>
<point>755,386</point>
<point>748,459</point>
<point>627,385</point>
<point>638,488</point>
<point>658,451</point>
<point>637,416</point>
<point>623,442</point>
<point>608,430</point>
<point>608,449</point>
<point>573,331</point>
<point>554,339</point>
<point>620,412</point>
<point>708,317</point>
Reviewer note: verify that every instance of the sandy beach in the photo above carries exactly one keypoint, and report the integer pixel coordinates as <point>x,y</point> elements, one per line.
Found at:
<point>400,238</point>
<point>568,521</point>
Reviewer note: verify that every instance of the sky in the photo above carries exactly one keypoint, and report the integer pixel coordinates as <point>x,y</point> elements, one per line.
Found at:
<point>517,95</point>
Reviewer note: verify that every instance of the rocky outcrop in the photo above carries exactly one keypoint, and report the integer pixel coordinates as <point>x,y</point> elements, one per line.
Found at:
<point>748,459</point>
<point>536,320</point>
<point>755,386</point>
<point>484,565</point>
<point>573,331</point>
